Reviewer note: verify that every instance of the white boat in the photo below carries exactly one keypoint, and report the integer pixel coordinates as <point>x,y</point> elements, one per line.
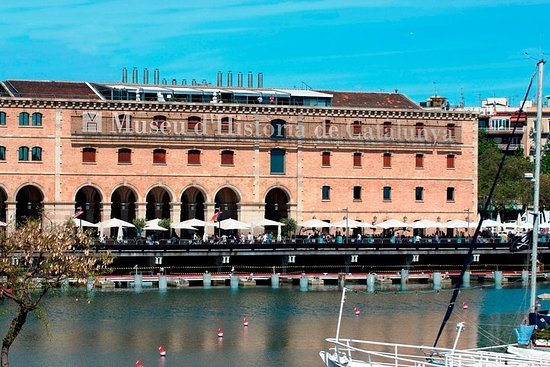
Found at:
<point>365,353</point>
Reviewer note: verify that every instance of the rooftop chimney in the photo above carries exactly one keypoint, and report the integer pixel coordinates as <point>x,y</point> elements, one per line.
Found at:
<point>174,82</point>
<point>164,82</point>
<point>193,82</point>
<point>145,76</point>
<point>184,82</point>
<point>124,75</point>
<point>135,75</point>
<point>250,80</point>
<point>260,80</point>
<point>229,79</point>
<point>219,81</point>
<point>240,80</point>
<point>156,77</point>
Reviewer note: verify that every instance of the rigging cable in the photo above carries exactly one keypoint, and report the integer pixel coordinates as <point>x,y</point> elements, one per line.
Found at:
<point>469,256</point>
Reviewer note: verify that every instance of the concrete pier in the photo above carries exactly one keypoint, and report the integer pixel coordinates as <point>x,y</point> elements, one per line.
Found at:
<point>163,282</point>
<point>466,279</point>
<point>437,280</point>
<point>90,284</point>
<point>207,280</point>
<point>303,282</point>
<point>234,281</point>
<point>341,280</point>
<point>404,279</point>
<point>498,279</point>
<point>525,277</point>
<point>275,281</point>
<point>371,280</point>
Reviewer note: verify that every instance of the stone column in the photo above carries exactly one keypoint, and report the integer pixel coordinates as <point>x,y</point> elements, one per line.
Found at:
<point>175,212</point>
<point>11,207</point>
<point>141,210</point>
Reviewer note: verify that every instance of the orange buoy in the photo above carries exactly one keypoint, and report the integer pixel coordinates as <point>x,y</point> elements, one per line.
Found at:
<point>245,321</point>
<point>356,311</point>
<point>162,351</point>
<point>464,305</point>
<point>220,333</point>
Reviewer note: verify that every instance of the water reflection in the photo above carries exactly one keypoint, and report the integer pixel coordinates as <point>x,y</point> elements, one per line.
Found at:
<point>287,326</point>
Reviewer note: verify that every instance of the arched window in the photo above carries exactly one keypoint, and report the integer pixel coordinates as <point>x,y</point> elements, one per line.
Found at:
<point>37,119</point>
<point>194,123</point>
<point>159,156</point>
<point>226,125</point>
<point>23,119</point>
<point>277,161</point>
<point>2,153</point>
<point>36,154</point>
<point>227,158</point>
<point>326,127</point>
<point>451,133</point>
<point>387,129</point>
<point>88,155</point>
<point>2,118</point>
<point>124,155</point>
<point>325,193</point>
<point>419,130</point>
<point>419,193</point>
<point>194,157</point>
<point>278,129</point>
<point>159,122</point>
<point>356,128</point>
<point>23,153</point>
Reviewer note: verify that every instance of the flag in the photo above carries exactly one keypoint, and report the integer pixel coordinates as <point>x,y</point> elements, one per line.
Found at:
<point>78,213</point>
<point>216,216</point>
<point>521,242</point>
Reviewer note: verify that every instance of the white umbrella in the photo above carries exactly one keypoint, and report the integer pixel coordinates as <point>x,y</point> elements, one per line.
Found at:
<point>153,221</point>
<point>490,223</point>
<point>120,234</point>
<point>392,223</point>
<point>314,223</point>
<point>426,223</point>
<point>267,222</point>
<point>154,227</point>
<point>114,222</point>
<point>194,222</point>
<point>230,223</point>
<point>82,223</point>
<point>2,224</point>
<point>457,223</point>
<point>543,225</point>
<point>183,225</point>
<point>528,225</point>
<point>349,223</point>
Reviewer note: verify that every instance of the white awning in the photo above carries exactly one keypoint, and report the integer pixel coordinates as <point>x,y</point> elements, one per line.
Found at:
<point>305,93</point>
<point>245,92</point>
<point>183,90</point>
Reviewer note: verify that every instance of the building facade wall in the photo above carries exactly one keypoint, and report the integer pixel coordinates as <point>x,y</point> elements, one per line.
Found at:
<point>62,172</point>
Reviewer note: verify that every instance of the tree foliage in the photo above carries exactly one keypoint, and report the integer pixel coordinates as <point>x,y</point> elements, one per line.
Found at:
<point>289,226</point>
<point>34,260</point>
<point>511,186</point>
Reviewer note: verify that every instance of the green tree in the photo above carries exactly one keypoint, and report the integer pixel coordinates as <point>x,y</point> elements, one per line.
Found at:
<point>140,224</point>
<point>34,260</point>
<point>289,227</point>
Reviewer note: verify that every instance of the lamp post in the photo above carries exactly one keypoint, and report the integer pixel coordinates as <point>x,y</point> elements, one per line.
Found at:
<point>347,224</point>
<point>468,220</point>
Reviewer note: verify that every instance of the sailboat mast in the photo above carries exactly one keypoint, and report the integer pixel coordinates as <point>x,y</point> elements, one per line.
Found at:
<point>536,193</point>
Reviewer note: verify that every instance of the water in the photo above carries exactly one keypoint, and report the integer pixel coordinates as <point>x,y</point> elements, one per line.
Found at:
<point>287,326</point>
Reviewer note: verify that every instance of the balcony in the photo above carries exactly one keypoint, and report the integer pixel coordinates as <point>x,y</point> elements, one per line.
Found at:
<point>512,146</point>
<point>504,131</point>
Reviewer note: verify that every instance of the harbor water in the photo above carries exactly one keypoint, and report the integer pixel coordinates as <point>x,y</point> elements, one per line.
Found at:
<point>287,326</point>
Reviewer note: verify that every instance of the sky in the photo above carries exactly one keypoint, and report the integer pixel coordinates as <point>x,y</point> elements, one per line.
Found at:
<point>462,49</point>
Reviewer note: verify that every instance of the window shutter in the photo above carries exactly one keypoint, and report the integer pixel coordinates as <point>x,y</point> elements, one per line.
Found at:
<point>88,155</point>
<point>419,161</point>
<point>227,157</point>
<point>124,156</point>
<point>326,159</point>
<point>159,156</point>
<point>387,160</point>
<point>194,157</point>
<point>450,161</point>
<point>356,159</point>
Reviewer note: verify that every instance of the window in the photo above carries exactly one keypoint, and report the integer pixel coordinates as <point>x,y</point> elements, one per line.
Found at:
<point>194,157</point>
<point>124,155</point>
<point>2,118</point>
<point>419,130</point>
<point>356,128</point>
<point>450,194</point>
<point>124,121</point>
<point>326,159</point>
<point>387,160</point>
<point>386,194</point>
<point>37,119</point>
<point>356,192</point>
<point>357,159</point>
<point>2,153</point>
<point>36,154</point>
<point>227,158</point>
<point>226,125</point>
<point>419,193</point>
<point>194,123</point>
<point>326,127</point>
<point>325,193</point>
<point>450,161</point>
<point>278,129</point>
<point>23,119</point>
<point>23,153</point>
<point>387,129</point>
<point>451,133</point>
<point>159,123</point>
<point>419,161</point>
<point>159,156</point>
<point>88,155</point>
<point>277,161</point>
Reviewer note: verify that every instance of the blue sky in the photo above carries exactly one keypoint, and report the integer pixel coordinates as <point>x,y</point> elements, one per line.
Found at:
<point>419,47</point>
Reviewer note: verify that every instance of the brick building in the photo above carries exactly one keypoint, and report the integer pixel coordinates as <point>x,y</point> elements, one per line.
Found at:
<point>131,150</point>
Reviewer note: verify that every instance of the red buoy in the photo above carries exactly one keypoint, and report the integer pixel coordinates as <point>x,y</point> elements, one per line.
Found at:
<point>356,311</point>
<point>464,305</point>
<point>245,321</point>
<point>138,363</point>
<point>220,333</point>
<point>162,351</point>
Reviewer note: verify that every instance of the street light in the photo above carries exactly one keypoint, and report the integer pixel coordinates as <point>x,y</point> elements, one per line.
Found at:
<point>347,223</point>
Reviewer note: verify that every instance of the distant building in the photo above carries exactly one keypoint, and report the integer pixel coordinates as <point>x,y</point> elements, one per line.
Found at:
<point>138,150</point>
